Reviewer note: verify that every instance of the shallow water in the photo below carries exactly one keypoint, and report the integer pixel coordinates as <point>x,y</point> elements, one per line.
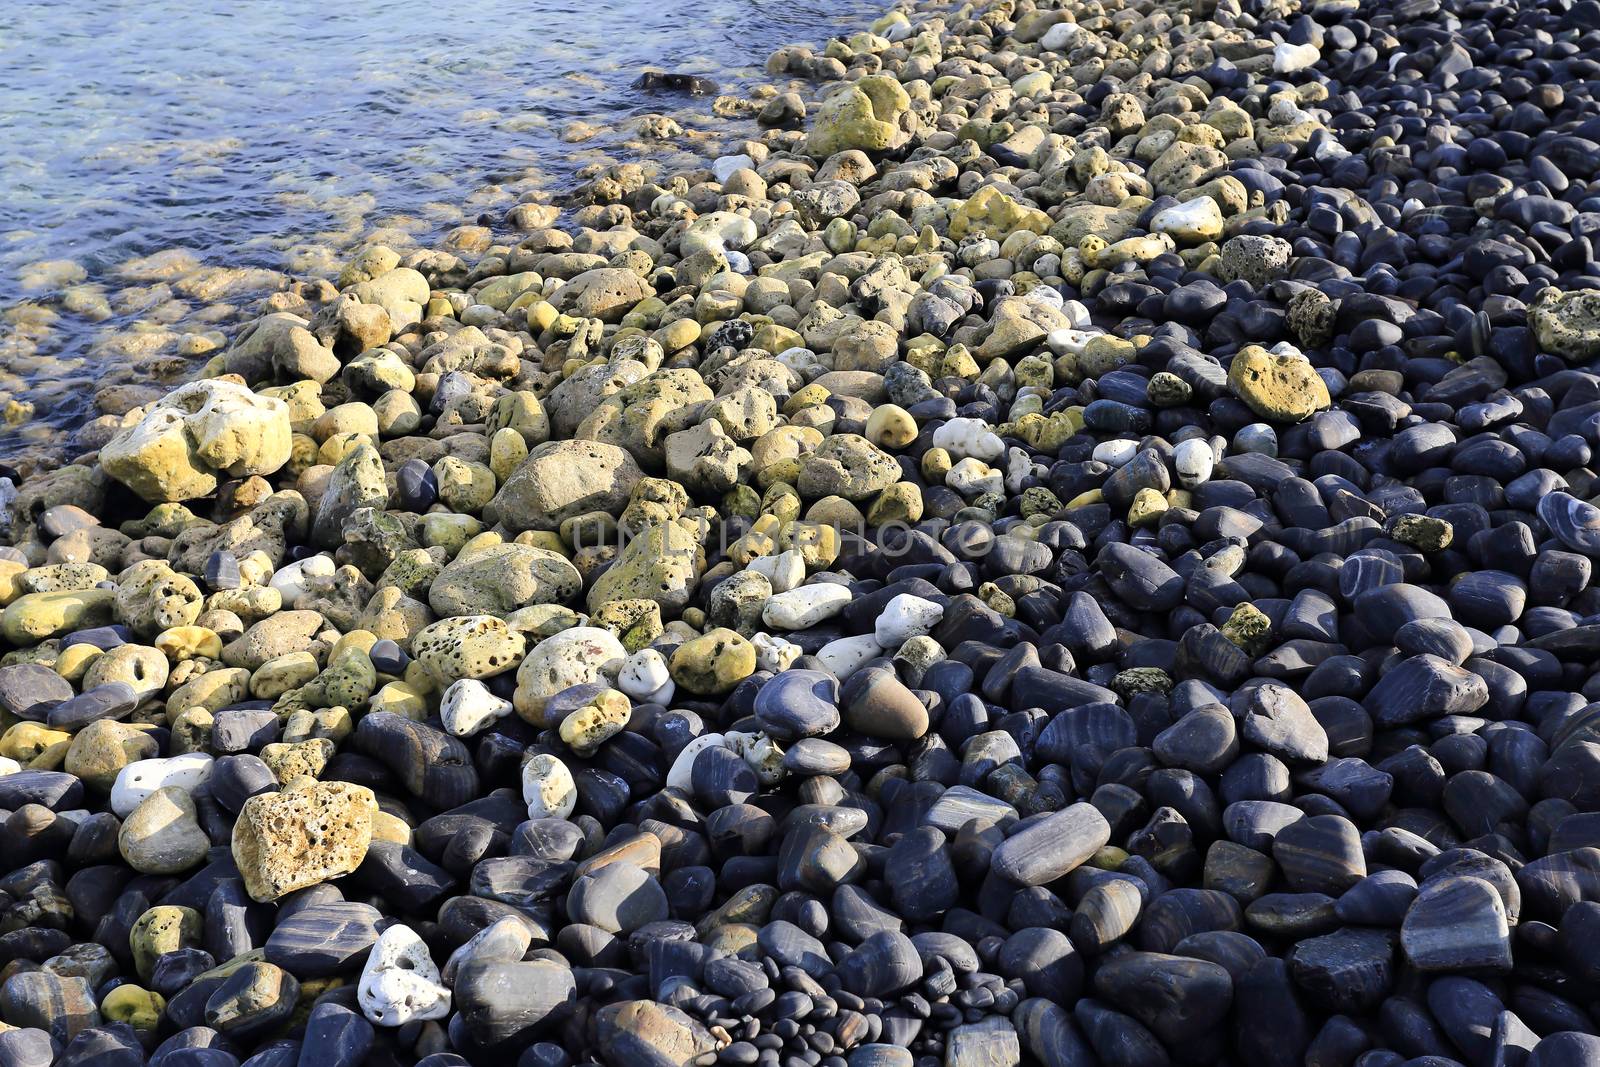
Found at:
<point>280,136</point>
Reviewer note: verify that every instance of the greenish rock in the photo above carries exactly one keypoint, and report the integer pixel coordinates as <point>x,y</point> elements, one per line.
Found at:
<point>864,115</point>
<point>1423,532</point>
<point>1567,324</point>
<point>162,929</point>
<point>1279,388</point>
<point>36,617</point>
<point>357,482</point>
<point>563,479</point>
<point>503,578</point>
<point>847,465</point>
<point>1311,314</point>
<point>467,646</point>
<point>662,564</point>
<point>713,663</point>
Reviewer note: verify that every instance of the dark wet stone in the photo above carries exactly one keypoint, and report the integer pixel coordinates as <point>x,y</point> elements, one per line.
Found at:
<point>114,700</point>
<point>1350,970</point>
<point>1457,923</point>
<point>335,1036</point>
<point>30,690</point>
<point>252,1000</point>
<point>324,939</point>
<point>502,1002</point>
<point>799,703</point>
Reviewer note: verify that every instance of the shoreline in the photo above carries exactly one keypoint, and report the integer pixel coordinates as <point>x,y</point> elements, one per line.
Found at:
<point>1073,546</point>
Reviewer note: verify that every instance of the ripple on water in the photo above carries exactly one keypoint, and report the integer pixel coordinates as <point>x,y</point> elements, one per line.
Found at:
<point>277,137</point>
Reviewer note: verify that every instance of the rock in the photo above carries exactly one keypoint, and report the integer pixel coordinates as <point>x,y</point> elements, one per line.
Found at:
<point>195,434</point>
<point>163,835</point>
<point>139,780</point>
<point>502,579</point>
<point>323,939</point>
<point>548,788</point>
<point>865,116</point>
<point>301,837</point>
<point>1457,923</point>
<point>1567,324</point>
<point>1277,387</point>
<point>42,1000</point>
<point>579,656</point>
<point>643,1031</point>
<point>1052,847</point>
<point>847,465</point>
<point>400,982</point>
<point>607,294</point>
<point>563,479</point>
<point>469,706</point>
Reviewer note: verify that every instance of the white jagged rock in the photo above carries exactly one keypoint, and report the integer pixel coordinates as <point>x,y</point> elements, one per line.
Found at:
<point>1288,58</point>
<point>139,779</point>
<point>1193,460</point>
<point>548,788</point>
<point>760,752</point>
<point>1069,342</point>
<point>680,774</point>
<point>782,571</point>
<point>1191,222</point>
<point>774,653</point>
<point>1019,468</point>
<point>290,579</point>
<point>400,982</point>
<point>806,606</point>
<point>973,476</point>
<point>849,654</point>
<point>646,678</point>
<point>717,230</point>
<point>469,706</point>
<point>968,438</point>
<point>904,617</point>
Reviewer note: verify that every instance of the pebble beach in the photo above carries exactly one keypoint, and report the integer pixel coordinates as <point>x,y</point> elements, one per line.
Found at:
<point>1039,533</point>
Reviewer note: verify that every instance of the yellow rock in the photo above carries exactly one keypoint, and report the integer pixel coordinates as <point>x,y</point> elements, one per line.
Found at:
<point>997,215</point>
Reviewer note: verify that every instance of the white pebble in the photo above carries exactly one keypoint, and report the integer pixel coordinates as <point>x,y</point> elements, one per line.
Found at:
<point>725,166</point>
<point>400,982</point>
<point>290,579</point>
<point>774,653</point>
<point>783,571</point>
<point>548,788</point>
<point>1288,58</point>
<point>848,654</point>
<point>1116,453</point>
<point>1019,466</point>
<point>1193,460</point>
<point>1060,37</point>
<point>139,779</point>
<point>967,438</point>
<point>645,677</point>
<point>8,766</point>
<point>468,706</point>
<point>904,617</point>
<point>806,606</point>
<point>973,476</point>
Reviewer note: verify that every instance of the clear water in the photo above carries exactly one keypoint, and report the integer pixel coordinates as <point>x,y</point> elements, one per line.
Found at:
<point>282,135</point>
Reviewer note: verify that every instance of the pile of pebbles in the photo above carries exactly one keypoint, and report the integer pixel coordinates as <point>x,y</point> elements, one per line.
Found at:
<point>1075,547</point>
